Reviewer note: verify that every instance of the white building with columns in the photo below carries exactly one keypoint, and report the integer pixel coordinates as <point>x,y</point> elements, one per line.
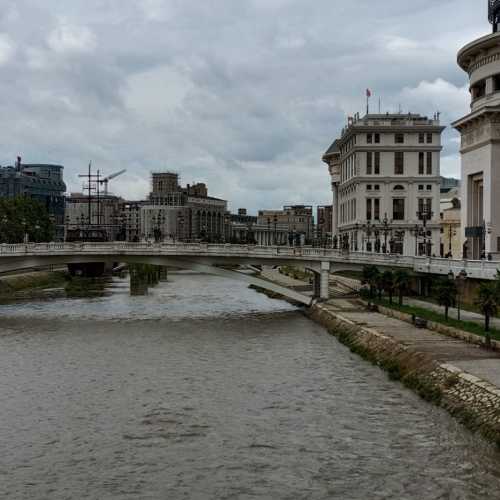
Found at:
<point>385,175</point>
<point>480,145</point>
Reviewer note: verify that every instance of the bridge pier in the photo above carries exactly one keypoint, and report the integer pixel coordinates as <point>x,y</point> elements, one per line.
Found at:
<point>321,282</point>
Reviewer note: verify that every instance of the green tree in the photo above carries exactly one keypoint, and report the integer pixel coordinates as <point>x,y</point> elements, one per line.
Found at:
<point>488,301</point>
<point>402,284</point>
<point>446,294</point>
<point>370,276</point>
<point>24,216</point>
<point>388,284</point>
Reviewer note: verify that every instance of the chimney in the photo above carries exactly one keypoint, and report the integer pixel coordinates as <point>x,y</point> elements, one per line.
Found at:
<point>18,164</point>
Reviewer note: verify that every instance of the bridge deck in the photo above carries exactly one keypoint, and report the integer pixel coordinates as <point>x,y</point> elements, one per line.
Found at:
<point>245,254</point>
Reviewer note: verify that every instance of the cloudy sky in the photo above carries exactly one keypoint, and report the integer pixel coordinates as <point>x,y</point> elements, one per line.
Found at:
<point>244,95</point>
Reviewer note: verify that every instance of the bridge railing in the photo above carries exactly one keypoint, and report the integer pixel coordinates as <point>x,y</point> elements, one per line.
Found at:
<point>475,269</point>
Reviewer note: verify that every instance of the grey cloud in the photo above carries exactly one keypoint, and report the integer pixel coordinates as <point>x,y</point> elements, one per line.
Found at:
<point>268,85</point>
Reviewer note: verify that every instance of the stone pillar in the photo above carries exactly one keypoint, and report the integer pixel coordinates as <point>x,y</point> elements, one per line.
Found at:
<point>324,281</point>
<point>317,286</point>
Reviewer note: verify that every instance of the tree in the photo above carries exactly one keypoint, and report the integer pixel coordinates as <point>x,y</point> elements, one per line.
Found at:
<point>402,284</point>
<point>370,276</point>
<point>23,216</point>
<point>488,301</point>
<point>446,293</point>
<point>388,284</point>
<point>379,284</point>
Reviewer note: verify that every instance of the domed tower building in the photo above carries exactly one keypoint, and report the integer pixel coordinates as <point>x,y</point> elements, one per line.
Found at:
<point>480,144</point>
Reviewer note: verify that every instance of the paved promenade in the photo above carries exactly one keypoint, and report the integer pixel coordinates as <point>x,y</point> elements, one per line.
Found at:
<point>477,361</point>
<point>464,315</point>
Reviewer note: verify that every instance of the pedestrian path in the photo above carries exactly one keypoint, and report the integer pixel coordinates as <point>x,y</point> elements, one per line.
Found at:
<point>453,312</point>
<point>478,361</point>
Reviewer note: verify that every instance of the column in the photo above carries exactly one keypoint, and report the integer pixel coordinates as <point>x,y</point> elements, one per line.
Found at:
<point>324,281</point>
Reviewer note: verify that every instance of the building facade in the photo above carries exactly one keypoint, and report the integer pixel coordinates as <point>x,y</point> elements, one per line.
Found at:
<point>324,219</point>
<point>197,215</point>
<point>103,213</point>
<point>296,220</point>
<point>451,237</point>
<point>385,176</point>
<point>480,147</point>
<point>40,182</point>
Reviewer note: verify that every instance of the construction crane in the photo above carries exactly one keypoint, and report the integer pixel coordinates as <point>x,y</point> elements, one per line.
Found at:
<point>108,178</point>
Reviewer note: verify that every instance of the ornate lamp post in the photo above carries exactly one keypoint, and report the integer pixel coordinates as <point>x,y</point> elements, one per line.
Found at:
<point>385,228</point>
<point>425,215</point>
<point>367,228</point>
<point>461,277</point>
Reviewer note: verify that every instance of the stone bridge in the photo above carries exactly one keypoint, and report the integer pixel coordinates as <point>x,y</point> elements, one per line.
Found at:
<point>214,259</point>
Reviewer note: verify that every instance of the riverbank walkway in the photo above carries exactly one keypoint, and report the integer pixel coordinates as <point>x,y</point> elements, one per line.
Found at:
<point>465,315</point>
<point>475,360</point>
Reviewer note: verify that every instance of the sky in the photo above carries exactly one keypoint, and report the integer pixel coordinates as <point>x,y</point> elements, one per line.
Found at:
<point>244,95</point>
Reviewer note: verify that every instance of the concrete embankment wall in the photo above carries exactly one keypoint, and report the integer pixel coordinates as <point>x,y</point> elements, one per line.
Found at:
<point>474,402</point>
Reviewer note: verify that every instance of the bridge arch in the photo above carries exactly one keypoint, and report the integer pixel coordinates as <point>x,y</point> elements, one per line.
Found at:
<point>30,263</point>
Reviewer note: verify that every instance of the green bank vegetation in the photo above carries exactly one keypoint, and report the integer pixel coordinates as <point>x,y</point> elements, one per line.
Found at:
<point>23,216</point>
<point>445,293</point>
<point>11,285</point>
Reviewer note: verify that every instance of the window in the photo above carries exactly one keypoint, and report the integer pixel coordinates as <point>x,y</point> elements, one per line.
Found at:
<point>399,187</point>
<point>377,208</point>
<point>369,138</point>
<point>429,163</point>
<point>369,187</point>
<point>377,138</point>
<point>399,138</point>
<point>421,164</point>
<point>399,163</point>
<point>369,163</point>
<point>424,206</point>
<point>368,209</point>
<point>398,209</point>
<point>420,187</point>
<point>377,163</point>
<point>377,187</point>
<point>429,138</point>
<point>429,187</point>
<point>421,138</point>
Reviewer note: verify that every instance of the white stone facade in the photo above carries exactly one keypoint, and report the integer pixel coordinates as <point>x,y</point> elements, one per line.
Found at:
<point>384,170</point>
<point>480,149</point>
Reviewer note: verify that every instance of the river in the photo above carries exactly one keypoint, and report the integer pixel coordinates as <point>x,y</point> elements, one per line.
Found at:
<point>208,390</point>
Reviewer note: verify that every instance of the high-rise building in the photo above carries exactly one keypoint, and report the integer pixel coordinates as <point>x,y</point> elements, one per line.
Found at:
<point>324,217</point>
<point>187,213</point>
<point>298,219</point>
<point>385,175</point>
<point>480,144</point>
<point>41,182</point>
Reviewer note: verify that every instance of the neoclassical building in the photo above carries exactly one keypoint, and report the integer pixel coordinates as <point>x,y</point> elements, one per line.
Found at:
<point>480,145</point>
<point>385,176</point>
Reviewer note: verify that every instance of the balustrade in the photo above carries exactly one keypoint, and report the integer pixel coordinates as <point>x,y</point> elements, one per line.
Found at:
<point>474,269</point>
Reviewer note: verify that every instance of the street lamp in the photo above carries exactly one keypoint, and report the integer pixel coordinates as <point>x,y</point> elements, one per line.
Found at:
<point>386,230</point>
<point>425,215</point>
<point>461,277</point>
<point>368,232</point>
